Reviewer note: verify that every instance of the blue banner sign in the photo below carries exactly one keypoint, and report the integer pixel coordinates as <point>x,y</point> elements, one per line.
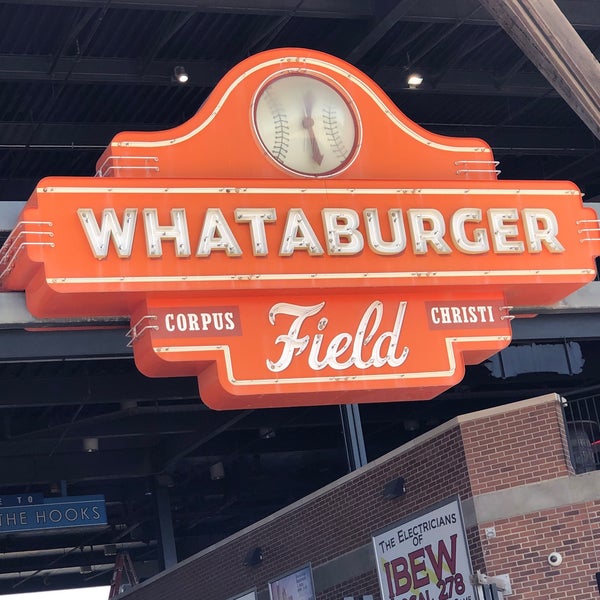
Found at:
<point>20,499</point>
<point>53,513</point>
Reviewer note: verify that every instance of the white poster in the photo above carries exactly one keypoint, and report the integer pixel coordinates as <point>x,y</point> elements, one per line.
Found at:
<point>295,586</point>
<point>425,557</point>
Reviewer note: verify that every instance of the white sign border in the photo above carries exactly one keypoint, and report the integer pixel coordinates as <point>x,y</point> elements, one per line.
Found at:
<point>455,499</point>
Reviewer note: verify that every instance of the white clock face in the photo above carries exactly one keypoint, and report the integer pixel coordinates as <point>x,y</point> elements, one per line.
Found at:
<point>306,125</point>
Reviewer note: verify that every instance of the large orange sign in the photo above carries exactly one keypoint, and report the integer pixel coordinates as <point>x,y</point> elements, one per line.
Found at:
<point>299,240</point>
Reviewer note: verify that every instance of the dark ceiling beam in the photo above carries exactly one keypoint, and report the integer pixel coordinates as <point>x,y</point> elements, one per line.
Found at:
<point>72,70</point>
<point>469,46</point>
<point>50,136</point>
<point>337,9</point>
<point>48,450</point>
<point>512,71</point>
<point>205,74</point>
<point>557,327</point>
<point>449,31</point>
<point>119,388</point>
<point>76,559</point>
<point>79,23</point>
<point>379,29</point>
<point>169,30</point>
<point>84,466</point>
<point>464,82</point>
<point>16,189</point>
<point>67,135</point>
<point>290,442</point>
<point>523,140</point>
<point>16,345</point>
<point>172,451</point>
<point>269,31</point>
<point>64,538</point>
<point>581,167</point>
<point>583,14</point>
<point>545,35</point>
<point>133,422</point>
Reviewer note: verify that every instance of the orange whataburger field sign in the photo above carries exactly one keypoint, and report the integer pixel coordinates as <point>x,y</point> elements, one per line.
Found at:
<point>300,241</point>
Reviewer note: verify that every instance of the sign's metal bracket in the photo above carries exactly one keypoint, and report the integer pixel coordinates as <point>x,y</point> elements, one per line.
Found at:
<point>139,329</point>
<point>502,582</point>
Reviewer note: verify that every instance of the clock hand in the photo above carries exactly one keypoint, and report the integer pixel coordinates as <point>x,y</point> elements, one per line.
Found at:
<point>309,124</point>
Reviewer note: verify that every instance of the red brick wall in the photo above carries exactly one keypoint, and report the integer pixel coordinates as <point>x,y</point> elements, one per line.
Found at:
<point>515,446</point>
<point>363,585</point>
<point>526,541</point>
<point>525,444</point>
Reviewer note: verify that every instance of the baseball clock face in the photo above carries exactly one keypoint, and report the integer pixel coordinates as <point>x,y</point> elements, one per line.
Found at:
<point>306,124</point>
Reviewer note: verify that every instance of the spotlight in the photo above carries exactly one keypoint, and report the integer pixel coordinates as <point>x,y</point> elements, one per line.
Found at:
<point>394,488</point>
<point>254,557</point>
<point>411,425</point>
<point>165,480</point>
<point>90,444</point>
<point>147,489</point>
<point>414,80</point>
<point>266,433</point>
<point>181,74</point>
<point>217,471</point>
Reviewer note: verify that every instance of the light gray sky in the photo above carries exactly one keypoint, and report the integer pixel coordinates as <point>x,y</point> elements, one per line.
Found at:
<point>95,593</point>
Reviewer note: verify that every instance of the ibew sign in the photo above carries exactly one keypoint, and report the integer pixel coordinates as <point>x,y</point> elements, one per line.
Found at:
<point>54,513</point>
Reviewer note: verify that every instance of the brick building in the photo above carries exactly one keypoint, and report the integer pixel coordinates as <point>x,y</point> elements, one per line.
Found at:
<point>521,501</point>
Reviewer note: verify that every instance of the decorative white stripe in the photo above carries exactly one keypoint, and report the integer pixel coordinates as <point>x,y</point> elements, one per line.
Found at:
<point>458,191</point>
<point>294,63</point>
<point>317,276</point>
<point>331,379</point>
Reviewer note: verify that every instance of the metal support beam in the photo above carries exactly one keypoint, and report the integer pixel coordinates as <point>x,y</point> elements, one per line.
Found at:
<point>545,35</point>
<point>166,537</point>
<point>353,436</point>
<point>17,345</point>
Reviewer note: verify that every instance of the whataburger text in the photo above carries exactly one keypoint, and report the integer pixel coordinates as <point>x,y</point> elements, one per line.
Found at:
<point>345,231</point>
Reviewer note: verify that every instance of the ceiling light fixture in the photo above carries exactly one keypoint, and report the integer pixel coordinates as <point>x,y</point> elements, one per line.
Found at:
<point>414,80</point>
<point>217,471</point>
<point>254,557</point>
<point>147,489</point>
<point>394,488</point>
<point>266,433</point>
<point>181,75</point>
<point>90,444</point>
